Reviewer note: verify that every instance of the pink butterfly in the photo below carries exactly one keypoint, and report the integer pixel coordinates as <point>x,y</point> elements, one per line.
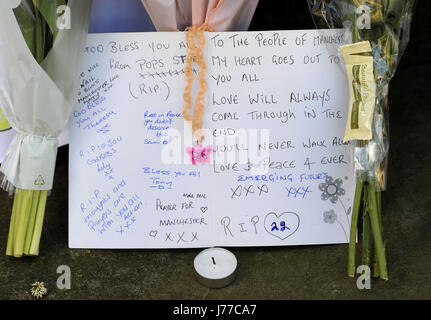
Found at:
<point>200,154</point>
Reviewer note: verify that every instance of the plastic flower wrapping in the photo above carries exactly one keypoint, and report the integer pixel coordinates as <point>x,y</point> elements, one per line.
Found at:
<point>379,32</point>
<point>40,47</point>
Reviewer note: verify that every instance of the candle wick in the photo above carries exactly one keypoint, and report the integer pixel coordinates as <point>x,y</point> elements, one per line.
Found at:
<point>213,260</point>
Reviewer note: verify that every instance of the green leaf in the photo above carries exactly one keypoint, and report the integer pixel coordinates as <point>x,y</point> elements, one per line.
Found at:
<point>40,37</point>
<point>27,23</point>
<point>34,28</point>
<point>48,9</point>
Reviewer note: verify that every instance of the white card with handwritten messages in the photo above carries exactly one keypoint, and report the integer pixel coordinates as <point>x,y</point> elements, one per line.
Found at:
<point>273,169</point>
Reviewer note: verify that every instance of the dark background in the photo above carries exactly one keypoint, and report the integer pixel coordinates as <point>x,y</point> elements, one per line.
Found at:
<point>307,272</point>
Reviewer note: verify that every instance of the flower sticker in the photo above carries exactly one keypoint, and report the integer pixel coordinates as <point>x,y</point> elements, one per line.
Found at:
<point>331,189</point>
<point>329,216</point>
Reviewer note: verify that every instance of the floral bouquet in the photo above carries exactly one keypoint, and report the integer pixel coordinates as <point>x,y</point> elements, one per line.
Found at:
<point>379,32</point>
<point>40,43</point>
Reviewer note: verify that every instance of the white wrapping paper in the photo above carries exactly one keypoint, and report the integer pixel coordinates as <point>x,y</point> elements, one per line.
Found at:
<point>37,99</point>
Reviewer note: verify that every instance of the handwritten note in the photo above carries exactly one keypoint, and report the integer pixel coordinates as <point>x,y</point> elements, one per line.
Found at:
<point>273,169</point>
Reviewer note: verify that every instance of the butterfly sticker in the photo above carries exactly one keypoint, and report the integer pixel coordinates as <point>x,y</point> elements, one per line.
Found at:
<point>200,154</point>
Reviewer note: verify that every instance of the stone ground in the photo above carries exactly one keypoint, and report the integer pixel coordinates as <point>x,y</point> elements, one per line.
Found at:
<point>308,272</point>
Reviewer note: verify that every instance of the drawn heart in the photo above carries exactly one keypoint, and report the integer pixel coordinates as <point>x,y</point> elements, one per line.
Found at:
<point>204,209</point>
<point>281,225</point>
<point>153,233</point>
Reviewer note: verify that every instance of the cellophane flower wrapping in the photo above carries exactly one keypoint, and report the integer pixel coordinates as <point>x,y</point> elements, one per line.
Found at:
<point>385,24</point>
<point>41,43</point>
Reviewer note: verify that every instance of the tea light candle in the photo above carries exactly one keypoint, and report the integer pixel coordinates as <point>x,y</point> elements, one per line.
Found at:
<point>215,267</point>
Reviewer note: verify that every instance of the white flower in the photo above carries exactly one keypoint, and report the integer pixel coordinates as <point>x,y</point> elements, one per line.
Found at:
<point>38,289</point>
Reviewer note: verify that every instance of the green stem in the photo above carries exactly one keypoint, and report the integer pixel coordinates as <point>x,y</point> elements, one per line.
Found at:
<point>351,263</point>
<point>366,231</point>
<point>40,31</point>
<point>31,222</point>
<point>377,232</point>
<point>10,239</point>
<point>34,247</point>
<point>375,272</point>
<point>21,228</point>
<point>19,196</point>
